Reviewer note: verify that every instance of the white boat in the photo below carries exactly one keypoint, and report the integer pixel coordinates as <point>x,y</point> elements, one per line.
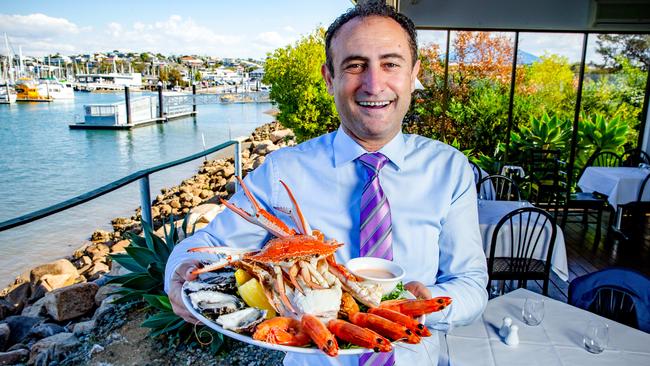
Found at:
<point>7,95</point>
<point>55,89</point>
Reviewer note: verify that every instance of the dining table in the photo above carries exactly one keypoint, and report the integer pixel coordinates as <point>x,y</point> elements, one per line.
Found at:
<point>620,184</point>
<point>557,340</point>
<point>490,213</point>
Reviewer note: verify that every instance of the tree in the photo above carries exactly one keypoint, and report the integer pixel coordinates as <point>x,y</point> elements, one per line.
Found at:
<point>550,82</point>
<point>299,89</point>
<point>635,47</point>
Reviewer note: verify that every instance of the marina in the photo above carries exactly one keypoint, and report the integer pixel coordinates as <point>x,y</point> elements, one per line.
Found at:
<point>57,163</point>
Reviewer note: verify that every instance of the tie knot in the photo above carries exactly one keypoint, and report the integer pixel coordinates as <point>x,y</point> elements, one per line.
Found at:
<point>374,161</point>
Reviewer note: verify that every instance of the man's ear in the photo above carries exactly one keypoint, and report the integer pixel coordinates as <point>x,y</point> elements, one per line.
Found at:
<point>327,76</point>
<point>414,74</point>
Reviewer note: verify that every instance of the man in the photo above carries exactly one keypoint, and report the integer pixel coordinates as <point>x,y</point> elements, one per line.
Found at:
<point>432,222</point>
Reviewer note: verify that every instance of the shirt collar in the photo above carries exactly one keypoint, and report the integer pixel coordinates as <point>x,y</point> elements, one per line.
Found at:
<point>346,149</point>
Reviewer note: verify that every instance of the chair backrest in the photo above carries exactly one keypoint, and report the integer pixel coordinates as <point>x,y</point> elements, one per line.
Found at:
<point>601,158</point>
<point>634,157</point>
<point>620,294</point>
<point>528,229</point>
<point>606,159</point>
<point>543,179</point>
<point>477,171</point>
<point>498,187</point>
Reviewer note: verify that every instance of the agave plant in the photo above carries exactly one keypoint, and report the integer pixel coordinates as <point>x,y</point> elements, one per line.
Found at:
<point>145,258</point>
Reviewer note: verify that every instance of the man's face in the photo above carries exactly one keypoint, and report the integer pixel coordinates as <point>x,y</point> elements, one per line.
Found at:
<point>373,79</point>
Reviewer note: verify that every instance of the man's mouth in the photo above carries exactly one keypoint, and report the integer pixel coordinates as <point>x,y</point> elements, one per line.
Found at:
<point>374,104</point>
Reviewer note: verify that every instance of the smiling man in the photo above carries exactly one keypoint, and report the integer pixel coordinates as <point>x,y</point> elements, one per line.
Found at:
<point>383,193</point>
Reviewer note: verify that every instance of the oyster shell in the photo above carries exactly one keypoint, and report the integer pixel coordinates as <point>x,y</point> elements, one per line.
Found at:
<point>214,302</point>
<point>242,321</point>
<point>222,281</point>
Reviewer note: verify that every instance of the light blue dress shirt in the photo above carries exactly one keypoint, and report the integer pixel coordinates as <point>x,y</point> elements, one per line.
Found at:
<point>436,238</point>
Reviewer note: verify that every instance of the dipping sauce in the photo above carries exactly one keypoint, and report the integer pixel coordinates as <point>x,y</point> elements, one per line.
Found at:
<point>375,273</point>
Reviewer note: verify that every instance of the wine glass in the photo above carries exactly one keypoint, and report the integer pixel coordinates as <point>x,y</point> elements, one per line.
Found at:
<point>533,311</point>
<point>596,336</point>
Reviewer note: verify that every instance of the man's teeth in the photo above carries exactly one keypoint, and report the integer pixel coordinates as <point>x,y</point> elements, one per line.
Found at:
<point>374,104</point>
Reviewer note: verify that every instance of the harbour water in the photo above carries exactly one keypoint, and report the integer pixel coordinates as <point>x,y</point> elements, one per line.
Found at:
<point>43,162</point>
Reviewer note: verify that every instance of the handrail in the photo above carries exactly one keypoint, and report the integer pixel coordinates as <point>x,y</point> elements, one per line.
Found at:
<point>85,197</point>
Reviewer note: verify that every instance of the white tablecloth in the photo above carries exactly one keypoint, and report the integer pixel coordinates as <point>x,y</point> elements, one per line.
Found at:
<point>556,341</point>
<point>489,214</point>
<point>620,185</point>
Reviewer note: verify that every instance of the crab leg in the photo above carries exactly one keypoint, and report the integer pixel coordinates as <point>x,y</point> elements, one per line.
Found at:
<point>367,294</point>
<point>359,336</point>
<point>281,290</point>
<point>260,216</point>
<point>384,327</point>
<point>296,213</point>
<point>412,324</point>
<point>417,307</point>
<point>320,335</point>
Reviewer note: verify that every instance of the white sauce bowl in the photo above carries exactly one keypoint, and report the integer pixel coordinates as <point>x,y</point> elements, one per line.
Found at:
<point>358,265</point>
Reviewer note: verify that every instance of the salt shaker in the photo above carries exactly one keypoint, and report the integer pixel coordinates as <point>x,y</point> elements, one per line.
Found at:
<point>505,327</point>
<point>512,339</point>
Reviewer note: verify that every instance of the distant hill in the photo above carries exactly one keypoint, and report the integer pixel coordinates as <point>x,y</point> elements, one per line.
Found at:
<point>525,58</point>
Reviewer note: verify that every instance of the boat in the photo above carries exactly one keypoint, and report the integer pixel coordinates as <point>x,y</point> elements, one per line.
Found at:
<point>28,91</point>
<point>7,94</point>
<point>55,89</point>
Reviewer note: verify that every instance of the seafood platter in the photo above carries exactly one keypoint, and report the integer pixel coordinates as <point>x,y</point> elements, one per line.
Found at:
<point>291,295</point>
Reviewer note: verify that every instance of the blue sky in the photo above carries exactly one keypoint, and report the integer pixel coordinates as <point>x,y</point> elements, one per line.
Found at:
<point>215,28</point>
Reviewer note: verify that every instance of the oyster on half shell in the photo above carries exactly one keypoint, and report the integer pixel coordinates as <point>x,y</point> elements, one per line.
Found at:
<point>242,321</point>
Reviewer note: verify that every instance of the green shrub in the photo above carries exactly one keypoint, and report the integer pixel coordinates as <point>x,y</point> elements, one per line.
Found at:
<point>298,87</point>
<point>146,258</point>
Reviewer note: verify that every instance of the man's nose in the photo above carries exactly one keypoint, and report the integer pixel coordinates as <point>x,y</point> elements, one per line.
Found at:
<point>373,81</point>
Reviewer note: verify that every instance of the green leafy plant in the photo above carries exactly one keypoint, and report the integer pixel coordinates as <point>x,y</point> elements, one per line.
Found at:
<point>299,89</point>
<point>145,258</point>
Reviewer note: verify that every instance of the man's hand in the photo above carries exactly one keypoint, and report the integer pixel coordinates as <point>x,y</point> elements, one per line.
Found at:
<point>182,274</point>
<point>418,289</point>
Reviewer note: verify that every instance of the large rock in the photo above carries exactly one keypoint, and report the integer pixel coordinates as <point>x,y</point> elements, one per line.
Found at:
<point>52,349</point>
<point>71,302</point>
<point>45,330</point>
<point>57,274</point>
<point>119,246</point>
<point>13,357</point>
<point>36,309</point>
<point>20,326</point>
<point>281,135</point>
<point>6,308</point>
<point>82,328</point>
<point>17,297</point>
<point>5,331</point>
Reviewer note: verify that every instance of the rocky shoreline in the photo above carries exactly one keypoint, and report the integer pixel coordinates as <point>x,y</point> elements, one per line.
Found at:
<point>54,313</point>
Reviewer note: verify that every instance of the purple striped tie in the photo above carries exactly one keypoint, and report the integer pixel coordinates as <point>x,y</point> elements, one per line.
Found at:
<point>375,231</point>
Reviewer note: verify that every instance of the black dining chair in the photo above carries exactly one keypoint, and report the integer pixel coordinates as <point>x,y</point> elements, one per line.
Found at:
<point>634,157</point>
<point>498,187</point>
<point>542,181</point>
<point>478,174</point>
<point>634,217</point>
<point>527,229</point>
<point>587,206</point>
<point>616,293</point>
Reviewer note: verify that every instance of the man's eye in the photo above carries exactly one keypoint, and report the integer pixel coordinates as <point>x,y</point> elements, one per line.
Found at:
<point>391,65</point>
<point>354,67</point>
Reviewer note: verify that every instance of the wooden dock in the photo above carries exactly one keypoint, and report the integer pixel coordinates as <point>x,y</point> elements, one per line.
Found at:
<point>145,111</point>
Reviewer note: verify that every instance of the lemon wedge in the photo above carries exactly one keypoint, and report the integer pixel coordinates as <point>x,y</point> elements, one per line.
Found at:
<point>241,276</point>
<point>253,295</point>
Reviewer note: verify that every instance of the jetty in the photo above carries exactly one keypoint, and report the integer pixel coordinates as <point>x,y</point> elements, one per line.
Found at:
<point>162,108</point>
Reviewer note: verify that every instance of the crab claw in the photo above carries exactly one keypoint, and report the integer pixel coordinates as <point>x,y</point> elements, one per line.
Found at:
<point>295,212</point>
<point>260,217</point>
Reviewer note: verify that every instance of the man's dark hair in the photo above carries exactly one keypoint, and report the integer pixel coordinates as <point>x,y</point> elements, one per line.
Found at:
<point>366,9</point>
